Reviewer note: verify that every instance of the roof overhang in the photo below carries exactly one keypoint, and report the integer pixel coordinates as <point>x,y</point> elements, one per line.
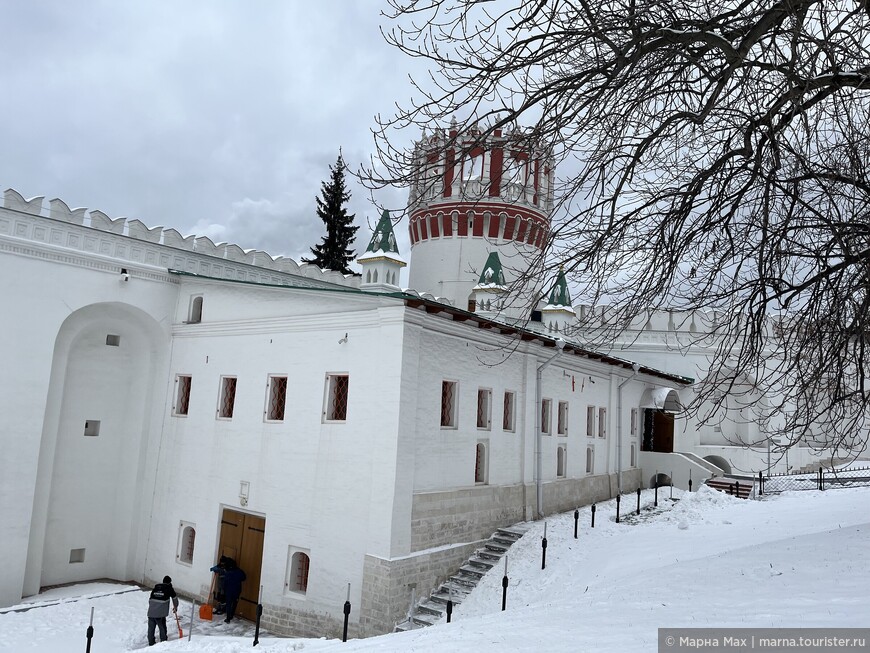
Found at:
<point>662,398</point>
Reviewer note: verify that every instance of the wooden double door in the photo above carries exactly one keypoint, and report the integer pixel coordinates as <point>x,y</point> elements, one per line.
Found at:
<point>241,538</point>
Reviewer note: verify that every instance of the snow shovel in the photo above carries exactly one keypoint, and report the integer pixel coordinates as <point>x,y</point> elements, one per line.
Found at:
<point>205,610</point>
<point>178,621</point>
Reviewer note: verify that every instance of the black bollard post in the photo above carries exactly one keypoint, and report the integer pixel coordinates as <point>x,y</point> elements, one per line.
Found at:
<point>690,480</point>
<point>90,632</point>
<point>449,609</point>
<point>821,479</point>
<point>737,489</point>
<point>671,480</point>
<point>760,484</point>
<point>576,517</point>
<point>638,501</point>
<point>617,508</point>
<point>544,548</point>
<point>656,502</point>
<point>730,489</point>
<point>259,616</point>
<point>504,586</point>
<point>346,614</point>
<point>593,515</point>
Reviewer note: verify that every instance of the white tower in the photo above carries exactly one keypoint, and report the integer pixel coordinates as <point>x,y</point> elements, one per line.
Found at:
<point>472,195</point>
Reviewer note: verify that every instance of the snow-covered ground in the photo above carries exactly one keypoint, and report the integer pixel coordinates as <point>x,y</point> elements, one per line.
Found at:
<point>800,559</point>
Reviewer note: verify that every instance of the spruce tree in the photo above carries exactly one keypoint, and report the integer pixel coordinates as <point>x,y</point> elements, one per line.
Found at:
<point>334,251</point>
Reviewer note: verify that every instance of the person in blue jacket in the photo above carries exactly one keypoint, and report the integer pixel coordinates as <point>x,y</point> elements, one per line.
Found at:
<point>219,599</point>
<point>233,579</point>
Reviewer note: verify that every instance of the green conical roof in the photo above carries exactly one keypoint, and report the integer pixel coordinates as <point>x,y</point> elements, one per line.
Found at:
<point>492,273</point>
<point>383,239</point>
<point>560,295</point>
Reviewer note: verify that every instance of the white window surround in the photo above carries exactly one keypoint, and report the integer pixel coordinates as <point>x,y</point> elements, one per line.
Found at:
<point>292,573</point>
<point>335,397</point>
<point>186,543</point>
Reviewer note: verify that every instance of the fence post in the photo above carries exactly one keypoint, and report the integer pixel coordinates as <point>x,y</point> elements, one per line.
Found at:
<point>504,586</point>
<point>593,515</point>
<point>760,484</point>
<point>192,611</point>
<point>89,633</point>
<point>672,484</point>
<point>737,489</point>
<point>617,508</point>
<point>449,603</point>
<point>576,518</point>
<point>656,502</point>
<point>347,614</point>
<point>638,501</point>
<point>544,548</point>
<point>690,480</point>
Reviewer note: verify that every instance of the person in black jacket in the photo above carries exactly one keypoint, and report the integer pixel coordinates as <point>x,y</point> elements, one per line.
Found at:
<point>158,608</point>
<point>233,578</point>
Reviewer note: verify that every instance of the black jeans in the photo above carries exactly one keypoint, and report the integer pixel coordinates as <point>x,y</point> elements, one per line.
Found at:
<point>232,602</point>
<point>160,622</point>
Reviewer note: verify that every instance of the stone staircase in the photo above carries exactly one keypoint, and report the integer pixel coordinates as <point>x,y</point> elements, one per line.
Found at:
<point>460,584</point>
<point>741,486</point>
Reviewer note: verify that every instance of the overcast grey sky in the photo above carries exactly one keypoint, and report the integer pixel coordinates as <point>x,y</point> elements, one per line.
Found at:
<point>214,117</point>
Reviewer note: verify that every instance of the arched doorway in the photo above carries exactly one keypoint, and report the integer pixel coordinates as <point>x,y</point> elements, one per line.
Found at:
<point>659,406</point>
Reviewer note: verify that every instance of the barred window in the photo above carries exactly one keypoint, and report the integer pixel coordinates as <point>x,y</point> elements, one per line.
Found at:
<point>508,417</point>
<point>336,397</point>
<point>545,416</point>
<point>590,421</point>
<point>634,421</point>
<point>182,394</point>
<point>227,399</point>
<point>561,461</point>
<point>602,422</point>
<point>562,428</point>
<point>484,408</point>
<point>297,571</point>
<point>186,542</point>
<point>590,460</point>
<point>448,404</point>
<point>277,398</point>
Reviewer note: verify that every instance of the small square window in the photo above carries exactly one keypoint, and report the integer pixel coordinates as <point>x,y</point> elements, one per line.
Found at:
<point>484,408</point>
<point>76,555</point>
<point>590,421</point>
<point>337,386</point>
<point>562,428</point>
<point>545,416</point>
<point>182,394</point>
<point>276,400</point>
<point>92,427</point>
<point>448,404</point>
<point>602,422</point>
<point>509,411</point>
<point>227,398</point>
<point>113,340</point>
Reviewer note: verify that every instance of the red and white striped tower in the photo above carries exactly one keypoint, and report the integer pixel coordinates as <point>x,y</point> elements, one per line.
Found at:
<point>473,195</point>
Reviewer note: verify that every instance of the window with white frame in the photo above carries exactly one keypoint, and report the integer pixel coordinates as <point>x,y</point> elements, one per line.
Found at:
<point>508,417</point>
<point>562,420</point>
<point>182,394</point>
<point>561,461</point>
<point>276,398</point>
<point>337,386</point>
<point>633,460</point>
<point>634,421</point>
<point>602,422</point>
<point>590,460</point>
<point>448,404</point>
<point>481,460</point>
<point>186,543</point>
<point>590,421</point>
<point>298,564</point>
<point>545,416</point>
<point>227,397</point>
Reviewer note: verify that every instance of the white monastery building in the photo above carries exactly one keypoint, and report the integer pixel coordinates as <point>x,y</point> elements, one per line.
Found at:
<point>169,400</point>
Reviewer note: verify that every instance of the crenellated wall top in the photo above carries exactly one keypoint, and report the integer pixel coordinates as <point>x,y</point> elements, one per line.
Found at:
<point>187,248</point>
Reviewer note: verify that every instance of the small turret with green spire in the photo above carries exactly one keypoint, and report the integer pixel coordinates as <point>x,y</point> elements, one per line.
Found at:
<point>560,296</point>
<point>381,262</point>
<point>492,274</point>
<point>383,238</point>
<point>558,315</point>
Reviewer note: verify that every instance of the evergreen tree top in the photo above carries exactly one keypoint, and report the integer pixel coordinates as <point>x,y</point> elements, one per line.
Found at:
<point>334,252</point>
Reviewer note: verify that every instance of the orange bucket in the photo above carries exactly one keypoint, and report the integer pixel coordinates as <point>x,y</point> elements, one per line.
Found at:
<point>205,612</point>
